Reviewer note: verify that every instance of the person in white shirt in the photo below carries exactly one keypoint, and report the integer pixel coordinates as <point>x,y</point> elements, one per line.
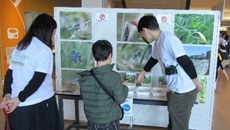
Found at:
<point>223,48</point>
<point>222,55</point>
<point>28,95</point>
<point>181,76</point>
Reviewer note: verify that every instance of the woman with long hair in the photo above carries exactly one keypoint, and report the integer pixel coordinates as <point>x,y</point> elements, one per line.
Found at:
<point>28,95</point>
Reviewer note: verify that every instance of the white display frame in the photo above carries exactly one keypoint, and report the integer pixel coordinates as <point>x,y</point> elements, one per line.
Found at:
<point>201,117</point>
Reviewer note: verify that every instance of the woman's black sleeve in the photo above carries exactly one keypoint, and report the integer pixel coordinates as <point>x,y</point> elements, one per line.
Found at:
<point>187,65</point>
<point>32,86</point>
<point>7,82</point>
<point>149,65</point>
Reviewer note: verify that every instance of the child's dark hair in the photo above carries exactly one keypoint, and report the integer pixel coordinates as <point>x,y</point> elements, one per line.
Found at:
<point>101,50</point>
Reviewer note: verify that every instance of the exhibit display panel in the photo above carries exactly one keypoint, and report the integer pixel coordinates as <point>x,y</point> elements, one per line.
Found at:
<point>79,28</point>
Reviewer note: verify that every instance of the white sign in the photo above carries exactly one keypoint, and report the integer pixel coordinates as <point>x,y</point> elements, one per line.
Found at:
<point>128,106</point>
<point>12,33</point>
<point>101,17</point>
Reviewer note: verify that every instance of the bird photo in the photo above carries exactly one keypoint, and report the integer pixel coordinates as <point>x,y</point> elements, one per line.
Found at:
<point>127,27</point>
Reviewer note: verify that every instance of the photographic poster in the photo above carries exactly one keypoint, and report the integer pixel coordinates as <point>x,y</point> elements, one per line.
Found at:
<point>75,25</point>
<point>127,27</point>
<point>76,55</point>
<point>201,96</point>
<point>147,82</point>
<point>200,56</point>
<point>132,57</point>
<point>9,51</point>
<point>194,28</point>
<point>131,79</point>
<point>162,81</point>
<point>70,79</point>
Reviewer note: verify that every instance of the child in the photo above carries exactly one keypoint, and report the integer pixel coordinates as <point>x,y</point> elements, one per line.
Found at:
<point>102,112</point>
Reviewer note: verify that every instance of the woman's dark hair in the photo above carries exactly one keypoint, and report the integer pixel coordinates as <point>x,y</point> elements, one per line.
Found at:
<point>226,37</point>
<point>42,28</point>
<point>148,21</point>
<point>101,50</point>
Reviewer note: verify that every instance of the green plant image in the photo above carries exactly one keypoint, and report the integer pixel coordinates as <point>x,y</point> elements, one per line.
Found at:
<point>147,82</point>
<point>162,81</point>
<point>194,28</point>
<point>130,79</point>
<point>201,96</point>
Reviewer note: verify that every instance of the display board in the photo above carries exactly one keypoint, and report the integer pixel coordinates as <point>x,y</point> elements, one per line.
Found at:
<point>79,28</point>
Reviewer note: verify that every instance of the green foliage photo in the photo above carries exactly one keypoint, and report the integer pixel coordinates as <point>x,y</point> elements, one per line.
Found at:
<point>131,79</point>
<point>194,28</point>
<point>147,80</point>
<point>201,96</point>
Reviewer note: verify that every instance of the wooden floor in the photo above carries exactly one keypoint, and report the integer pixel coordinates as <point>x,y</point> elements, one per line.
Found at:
<point>221,112</point>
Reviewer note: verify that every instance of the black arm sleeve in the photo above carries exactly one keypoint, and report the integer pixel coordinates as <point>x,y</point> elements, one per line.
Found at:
<point>149,65</point>
<point>187,65</point>
<point>32,86</point>
<point>7,82</point>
